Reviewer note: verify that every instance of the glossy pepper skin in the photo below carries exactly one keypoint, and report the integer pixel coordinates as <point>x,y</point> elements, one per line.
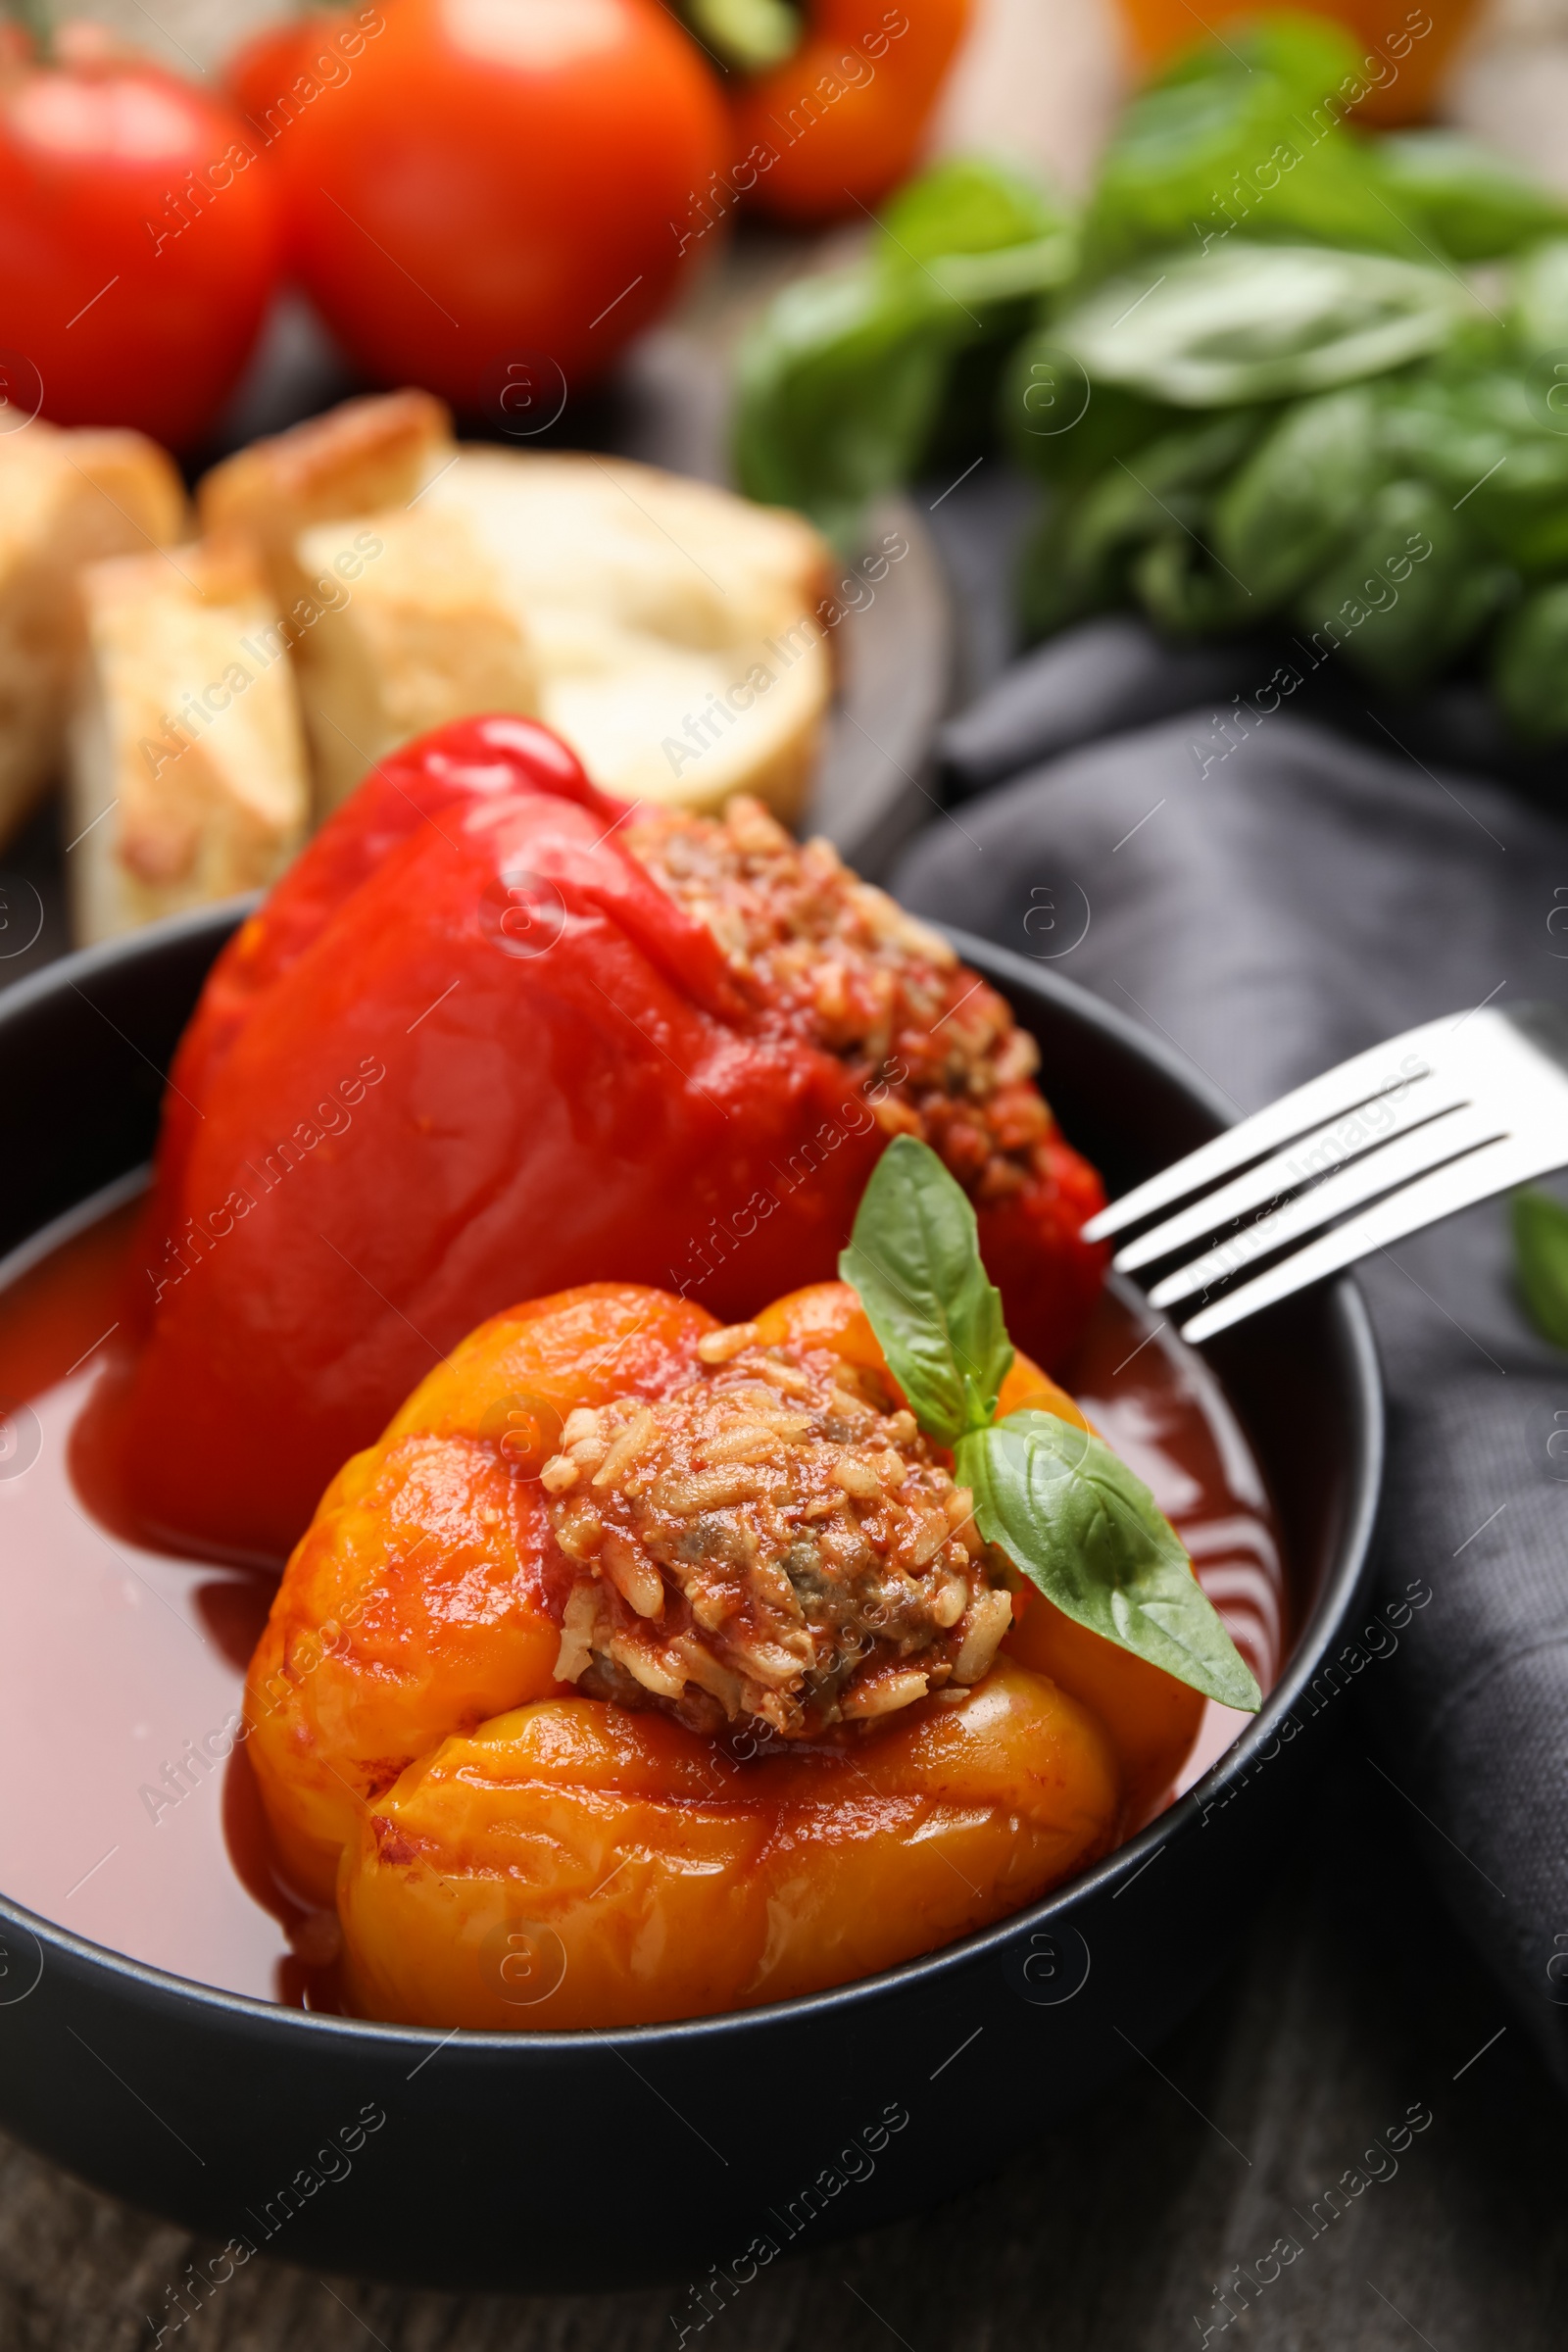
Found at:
<point>844,117</point>
<point>506,1853</point>
<point>470,1051</point>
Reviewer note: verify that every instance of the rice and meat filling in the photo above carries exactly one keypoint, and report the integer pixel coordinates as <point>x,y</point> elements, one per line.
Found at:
<point>774,1541</point>
<point>814,950</point>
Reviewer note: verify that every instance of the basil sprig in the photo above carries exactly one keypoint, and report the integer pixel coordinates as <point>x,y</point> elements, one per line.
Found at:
<point>1068,1512</point>
<point>1540,1261</point>
<point>914,1257</point>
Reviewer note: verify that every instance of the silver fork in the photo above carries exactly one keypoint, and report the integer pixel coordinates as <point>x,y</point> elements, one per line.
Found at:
<point>1404,1134</point>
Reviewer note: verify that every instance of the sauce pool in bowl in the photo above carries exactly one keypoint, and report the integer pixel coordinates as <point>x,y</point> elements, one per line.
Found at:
<point>142,1830</point>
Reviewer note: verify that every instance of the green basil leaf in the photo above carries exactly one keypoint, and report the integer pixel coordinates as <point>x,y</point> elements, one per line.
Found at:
<point>1054,587</point>
<point>1248,322</point>
<point>838,387</point>
<point>853,379</point>
<point>1295,502</point>
<point>1461,195</point>
<point>1184,593</point>
<point>1247,134</point>
<point>1530,676</point>
<point>1488,438</point>
<point>967,204</point>
<point>1308,56</point>
<point>1408,592</point>
<point>914,1259</point>
<point>1070,1516</point>
<point>1540,1261</point>
<point>1538,310</point>
<point>1054,434</point>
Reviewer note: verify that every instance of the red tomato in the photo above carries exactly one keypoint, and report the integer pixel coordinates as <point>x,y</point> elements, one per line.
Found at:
<point>837,125</point>
<point>265,66</point>
<point>468,183</point>
<point>139,250</point>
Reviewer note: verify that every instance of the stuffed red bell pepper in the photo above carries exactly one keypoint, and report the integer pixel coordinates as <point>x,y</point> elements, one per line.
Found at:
<point>496,1033</point>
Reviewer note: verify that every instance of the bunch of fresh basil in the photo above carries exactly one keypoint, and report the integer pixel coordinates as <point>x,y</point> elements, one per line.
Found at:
<point>845,386</point>
<point>1274,370</point>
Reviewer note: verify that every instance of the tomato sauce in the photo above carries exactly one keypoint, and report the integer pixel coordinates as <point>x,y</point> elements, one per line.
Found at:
<point>134,1821</point>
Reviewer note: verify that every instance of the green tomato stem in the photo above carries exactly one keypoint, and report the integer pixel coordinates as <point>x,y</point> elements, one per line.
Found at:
<point>750,35</point>
<point>36,17</point>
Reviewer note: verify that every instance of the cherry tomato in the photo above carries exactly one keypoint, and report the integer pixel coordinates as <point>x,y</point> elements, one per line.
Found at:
<point>141,248</point>
<point>840,122</point>
<point>481,181</point>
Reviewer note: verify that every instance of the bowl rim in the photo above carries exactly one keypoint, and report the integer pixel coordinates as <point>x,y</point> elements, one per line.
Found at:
<point>247,2013</point>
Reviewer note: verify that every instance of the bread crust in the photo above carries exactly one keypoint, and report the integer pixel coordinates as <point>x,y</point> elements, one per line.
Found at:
<point>67,498</point>
<point>680,639</point>
<point>358,458</point>
<point>188,776</point>
<point>422,634</point>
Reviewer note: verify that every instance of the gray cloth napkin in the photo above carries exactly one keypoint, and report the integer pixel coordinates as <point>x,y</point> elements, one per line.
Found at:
<point>1270,902</point>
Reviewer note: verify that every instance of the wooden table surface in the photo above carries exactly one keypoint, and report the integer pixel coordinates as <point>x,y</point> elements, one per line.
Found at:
<point>1353,2002</point>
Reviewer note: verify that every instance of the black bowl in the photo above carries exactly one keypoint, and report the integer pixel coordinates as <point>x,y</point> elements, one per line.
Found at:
<point>690,2153</point>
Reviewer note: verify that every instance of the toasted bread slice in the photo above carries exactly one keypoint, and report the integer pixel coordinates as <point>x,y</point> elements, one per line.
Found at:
<point>359,458</point>
<point>366,457</point>
<point>66,500</point>
<point>188,776</point>
<point>655,552</point>
<point>675,634</point>
<point>418,631</point>
<point>676,627</point>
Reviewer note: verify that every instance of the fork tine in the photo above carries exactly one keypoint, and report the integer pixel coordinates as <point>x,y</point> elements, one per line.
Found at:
<point>1375,1172</point>
<point>1317,1103</point>
<point>1421,1107</point>
<point>1494,1169</point>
